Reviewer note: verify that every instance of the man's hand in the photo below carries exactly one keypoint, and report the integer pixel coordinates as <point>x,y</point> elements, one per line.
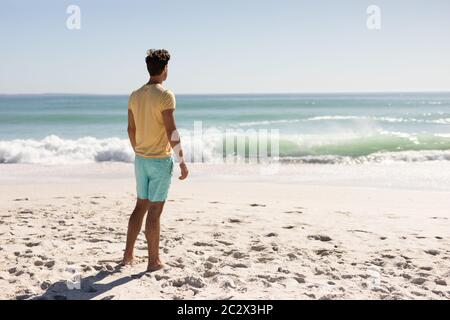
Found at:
<point>184,171</point>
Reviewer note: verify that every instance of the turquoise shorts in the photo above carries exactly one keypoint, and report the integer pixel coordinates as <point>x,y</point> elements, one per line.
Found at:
<point>153,177</point>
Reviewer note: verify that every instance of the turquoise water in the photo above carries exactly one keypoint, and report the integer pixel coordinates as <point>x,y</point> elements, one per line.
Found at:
<point>312,127</point>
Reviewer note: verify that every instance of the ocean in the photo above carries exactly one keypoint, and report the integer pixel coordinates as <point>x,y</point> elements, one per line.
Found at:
<point>313,128</point>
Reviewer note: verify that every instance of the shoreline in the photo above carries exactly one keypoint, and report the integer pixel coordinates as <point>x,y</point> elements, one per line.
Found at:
<point>421,176</point>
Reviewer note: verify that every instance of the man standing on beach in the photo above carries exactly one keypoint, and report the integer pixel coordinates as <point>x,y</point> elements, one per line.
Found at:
<point>152,132</point>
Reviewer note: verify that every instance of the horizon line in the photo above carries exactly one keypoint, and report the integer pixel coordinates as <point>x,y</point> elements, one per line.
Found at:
<point>231,93</point>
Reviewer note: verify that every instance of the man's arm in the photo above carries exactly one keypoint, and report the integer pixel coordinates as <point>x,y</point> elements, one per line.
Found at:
<point>131,129</point>
<point>174,139</point>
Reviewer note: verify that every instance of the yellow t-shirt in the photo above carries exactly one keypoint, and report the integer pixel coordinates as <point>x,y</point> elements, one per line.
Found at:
<point>147,104</point>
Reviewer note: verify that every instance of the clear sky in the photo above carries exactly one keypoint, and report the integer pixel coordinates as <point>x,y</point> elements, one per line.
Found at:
<point>232,46</point>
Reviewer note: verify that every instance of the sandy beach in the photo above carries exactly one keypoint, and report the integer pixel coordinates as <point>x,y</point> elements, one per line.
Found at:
<point>373,231</point>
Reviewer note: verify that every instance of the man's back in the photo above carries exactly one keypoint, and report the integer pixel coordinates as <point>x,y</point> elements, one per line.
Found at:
<point>147,104</point>
<point>151,124</point>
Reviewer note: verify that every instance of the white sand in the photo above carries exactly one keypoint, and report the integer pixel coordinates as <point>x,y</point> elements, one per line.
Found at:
<point>310,232</point>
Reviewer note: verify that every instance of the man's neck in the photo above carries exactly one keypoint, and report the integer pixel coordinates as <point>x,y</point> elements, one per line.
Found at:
<point>155,81</point>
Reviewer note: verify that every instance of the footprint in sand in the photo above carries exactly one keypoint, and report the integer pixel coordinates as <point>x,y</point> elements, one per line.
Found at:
<point>178,238</point>
<point>191,281</point>
<point>404,265</point>
<point>292,256</point>
<point>19,273</point>
<point>203,244</point>
<point>209,274</point>
<point>224,242</point>
<point>259,247</point>
<point>212,259</point>
<point>325,252</point>
<point>32,244</point>
<point>319,237</point>
<point>357,230</point>
<point>270,278</point>
<point>21,199</point>
<point>257,205</point>
<point>45,285</point>
<point>440,282</point>
<point>26,211</point>
<point>159,277</point>
<point>238,265</point>
<point>12,270</point>
<point>426,268</point>
<point>377,262</point>
<point>432,252</point>
<point>346,213</point>
<point>228,284</point>
<point>239,255</point>
<point>418,281</point>
<point>38,263</point>
<point>392,216</point>
<point>227,253</point>
<point>175,264</point>
<point>265,259</point>
<point>98,267</point>
<point>285,271</point>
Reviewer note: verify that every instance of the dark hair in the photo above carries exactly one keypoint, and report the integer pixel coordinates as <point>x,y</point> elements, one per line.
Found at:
<point>156,61</point>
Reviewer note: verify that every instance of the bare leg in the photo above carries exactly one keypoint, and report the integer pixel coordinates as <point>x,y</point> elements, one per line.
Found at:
<point>152,231</point>
<point>134,227</point>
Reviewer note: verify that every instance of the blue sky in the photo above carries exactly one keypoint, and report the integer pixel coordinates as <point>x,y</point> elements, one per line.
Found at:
<point>227,46</point>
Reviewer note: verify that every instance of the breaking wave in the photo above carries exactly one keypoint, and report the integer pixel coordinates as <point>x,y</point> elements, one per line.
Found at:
<point>377,147</point>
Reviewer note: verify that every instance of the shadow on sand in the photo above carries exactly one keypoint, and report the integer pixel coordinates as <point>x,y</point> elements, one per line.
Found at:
<point>89,287</point>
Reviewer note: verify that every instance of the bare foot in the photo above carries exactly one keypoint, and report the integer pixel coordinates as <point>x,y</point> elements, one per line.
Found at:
<point>126,261</point>
<point>157,265</point>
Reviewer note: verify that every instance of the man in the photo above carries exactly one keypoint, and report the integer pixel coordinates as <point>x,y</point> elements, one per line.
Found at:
<point>152,132</point>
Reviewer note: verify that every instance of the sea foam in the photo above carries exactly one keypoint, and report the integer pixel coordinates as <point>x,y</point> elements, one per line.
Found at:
<point>55,150</point>
<point>379,147</point>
